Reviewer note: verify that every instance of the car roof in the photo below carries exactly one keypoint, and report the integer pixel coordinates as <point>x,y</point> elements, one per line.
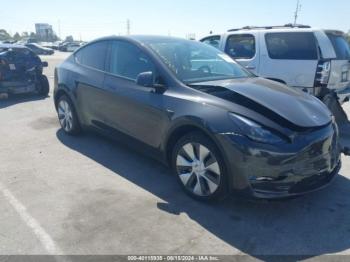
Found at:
<point>8,46</point>
<point>139,38</point>
<point>247,30</point>
<point>274,30</point>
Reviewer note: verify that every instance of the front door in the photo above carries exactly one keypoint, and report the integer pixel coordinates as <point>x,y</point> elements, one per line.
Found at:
<point>132,109</point>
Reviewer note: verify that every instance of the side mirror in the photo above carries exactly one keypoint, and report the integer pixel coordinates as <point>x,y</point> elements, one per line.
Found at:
<point>145,79</point>
<point>44,64</point>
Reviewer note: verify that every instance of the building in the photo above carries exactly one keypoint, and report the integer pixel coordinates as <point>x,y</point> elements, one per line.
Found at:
<point>44,32</point>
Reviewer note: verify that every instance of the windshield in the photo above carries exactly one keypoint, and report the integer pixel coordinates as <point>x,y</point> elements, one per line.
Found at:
<point>196,62</point>
<point>341,46</point>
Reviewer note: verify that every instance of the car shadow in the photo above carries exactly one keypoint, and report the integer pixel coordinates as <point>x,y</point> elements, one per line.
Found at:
<point>312,225</point>
<point>18,99</point>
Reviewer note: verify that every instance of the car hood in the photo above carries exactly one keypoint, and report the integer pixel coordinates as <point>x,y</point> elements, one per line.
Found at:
<point>271,99</point>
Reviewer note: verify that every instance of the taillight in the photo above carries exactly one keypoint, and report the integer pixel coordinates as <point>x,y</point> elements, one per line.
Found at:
<point>323,73</point>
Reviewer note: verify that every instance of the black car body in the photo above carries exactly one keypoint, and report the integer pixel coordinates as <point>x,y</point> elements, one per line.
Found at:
<point>21,71</point>
<point>219,130</point>
<point>40,50</point>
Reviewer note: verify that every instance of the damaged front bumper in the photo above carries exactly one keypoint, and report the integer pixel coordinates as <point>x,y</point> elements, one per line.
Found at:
<point>267,171</point>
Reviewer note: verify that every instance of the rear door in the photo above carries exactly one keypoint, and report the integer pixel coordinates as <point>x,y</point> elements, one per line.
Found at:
<point>244,49</point>
<point>340,67</point>
<point>89,81</point>
<point>291,57</point>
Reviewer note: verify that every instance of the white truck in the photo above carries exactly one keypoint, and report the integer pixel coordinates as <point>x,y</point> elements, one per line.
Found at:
<point>314,60</point>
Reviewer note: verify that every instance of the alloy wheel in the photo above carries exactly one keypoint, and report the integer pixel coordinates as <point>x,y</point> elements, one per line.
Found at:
<point>198,169</point>
<point>65,115</point>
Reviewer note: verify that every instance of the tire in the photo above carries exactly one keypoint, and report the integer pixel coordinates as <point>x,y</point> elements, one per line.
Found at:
<point>200,168</point>
<point>43,86</point>
<point>67,116</point>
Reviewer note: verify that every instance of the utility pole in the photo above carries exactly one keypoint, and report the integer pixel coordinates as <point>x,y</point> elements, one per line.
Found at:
<point>128,27</point>
<point>297,10</point>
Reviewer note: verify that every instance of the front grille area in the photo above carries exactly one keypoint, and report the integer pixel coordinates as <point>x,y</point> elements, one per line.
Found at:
<point>305,171</point>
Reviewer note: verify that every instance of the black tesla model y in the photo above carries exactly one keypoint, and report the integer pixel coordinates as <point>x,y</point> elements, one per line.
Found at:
<point>219,127</point>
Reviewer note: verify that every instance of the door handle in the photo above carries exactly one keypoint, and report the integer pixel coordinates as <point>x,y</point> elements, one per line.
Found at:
<point>250,67</point>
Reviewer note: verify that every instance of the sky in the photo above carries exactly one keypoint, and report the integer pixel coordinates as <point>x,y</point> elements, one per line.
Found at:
<point>91,19</point>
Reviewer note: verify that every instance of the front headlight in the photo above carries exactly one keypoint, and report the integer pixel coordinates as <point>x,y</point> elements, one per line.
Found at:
<point>255,131</point>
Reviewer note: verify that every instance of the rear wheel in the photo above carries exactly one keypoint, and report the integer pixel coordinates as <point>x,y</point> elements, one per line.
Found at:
<point>199,167</point>
<point>43,86</point>
<point>67,116</point>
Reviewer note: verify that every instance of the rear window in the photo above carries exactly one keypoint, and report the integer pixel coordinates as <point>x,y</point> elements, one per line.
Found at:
<point>292,46</point>
<point>340,46</point>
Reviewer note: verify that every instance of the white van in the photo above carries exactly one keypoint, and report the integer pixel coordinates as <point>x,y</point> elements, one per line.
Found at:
<point>313,60</point>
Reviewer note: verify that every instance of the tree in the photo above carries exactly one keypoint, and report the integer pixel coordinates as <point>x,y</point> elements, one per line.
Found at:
<point>16,36</point>
<point>4,35</point>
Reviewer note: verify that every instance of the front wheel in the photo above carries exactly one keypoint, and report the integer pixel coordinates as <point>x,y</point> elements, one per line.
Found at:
<point>200,168</point>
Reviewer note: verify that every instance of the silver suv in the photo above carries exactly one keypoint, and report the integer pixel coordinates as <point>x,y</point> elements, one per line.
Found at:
<point>313,60</point>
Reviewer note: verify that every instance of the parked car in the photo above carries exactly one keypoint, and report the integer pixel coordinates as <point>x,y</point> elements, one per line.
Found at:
<point>55,45</point>
<point>69,46</point>
<point>218,126</point>
<point>9,42</point>
<point>50,45</point>
<point>21,71</point>
<point>72,47</point>
<point>62,46</point>
<point>39,50</point>
<point>314,60</point>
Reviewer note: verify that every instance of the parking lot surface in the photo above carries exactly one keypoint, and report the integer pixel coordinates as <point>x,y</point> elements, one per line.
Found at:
<point>89,195</point>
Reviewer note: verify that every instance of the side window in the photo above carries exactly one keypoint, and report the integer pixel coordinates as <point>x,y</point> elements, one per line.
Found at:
<point>128,61</point>
<point>93,55</point>
<point>292,46</point>
<point>212,40</point>
<point>241,46</point>
<point>341,46</point>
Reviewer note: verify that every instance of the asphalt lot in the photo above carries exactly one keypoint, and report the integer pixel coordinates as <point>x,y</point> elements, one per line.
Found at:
<point>88,195</point>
